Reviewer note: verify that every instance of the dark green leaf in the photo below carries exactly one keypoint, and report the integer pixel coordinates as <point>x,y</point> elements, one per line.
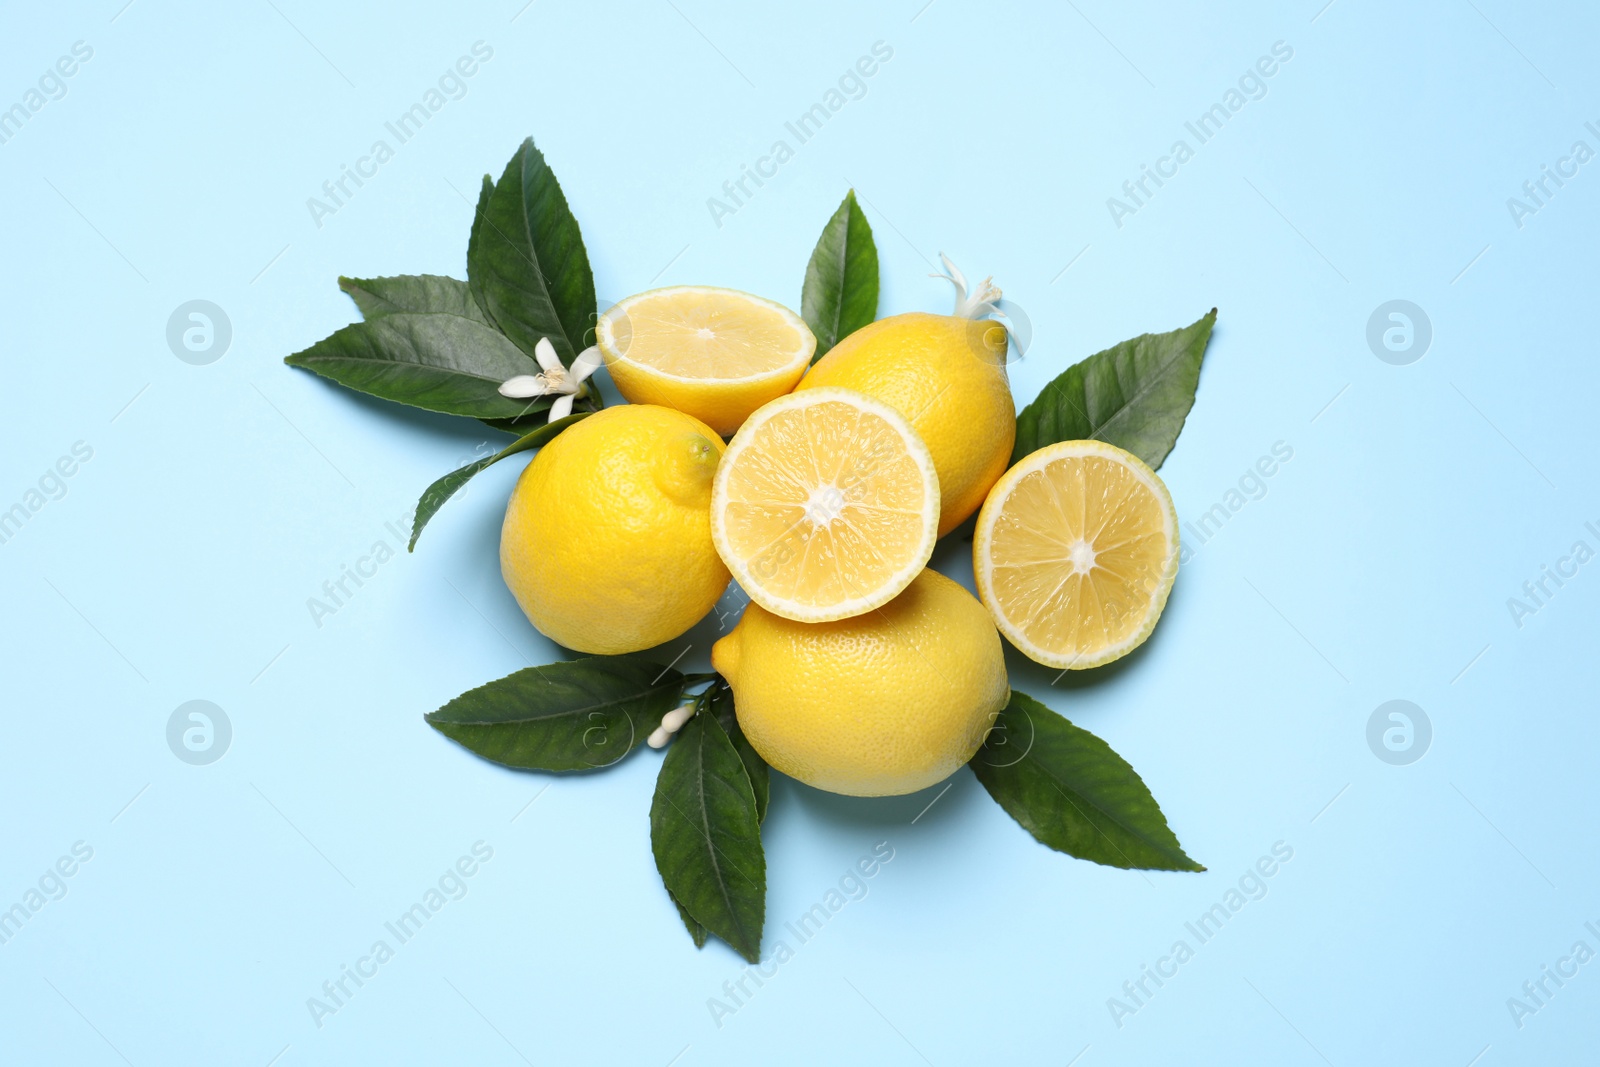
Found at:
<point>526,259</point>
<point>840,294</point>
<point>475,244</point>
<point>435,495</point>
<point>571,716</point>
<point>696,931</point>
<point>432,294</point>
<point>1134,395</point>
<point>721,699</point>
<point>706,837</point>
<point>439,362</point>
<point>1068,789</point>
<point>419,293</point>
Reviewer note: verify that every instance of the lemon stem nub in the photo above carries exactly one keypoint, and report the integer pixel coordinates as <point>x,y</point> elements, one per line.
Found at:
<point>970,303</point>
<point>671,723</point>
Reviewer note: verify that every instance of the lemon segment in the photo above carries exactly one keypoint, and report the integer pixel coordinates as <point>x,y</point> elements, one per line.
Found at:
<point>825,505</point>
<point>716,354</point>
<point>1075,552</point>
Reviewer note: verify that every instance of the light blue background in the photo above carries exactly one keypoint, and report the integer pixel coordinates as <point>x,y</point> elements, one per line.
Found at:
<point>219,498</point>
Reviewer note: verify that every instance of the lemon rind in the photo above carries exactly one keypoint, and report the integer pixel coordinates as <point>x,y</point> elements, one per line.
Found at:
<point>886,591</point>
<point>983,545</point>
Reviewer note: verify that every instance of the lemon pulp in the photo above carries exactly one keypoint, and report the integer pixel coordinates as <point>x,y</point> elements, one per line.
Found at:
<point>716,354</point>
<point>1075,553</point>
<point>947,376</point>
<point>825,505</point>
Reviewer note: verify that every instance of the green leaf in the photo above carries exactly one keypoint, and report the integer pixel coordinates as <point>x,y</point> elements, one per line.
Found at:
<point>706,837</point>
<point>840,294</point>
<point>1134,395</point>
<point>526,259</point>
<point>419,293</point>
<point>1068,789</point>
<point>721,700</point>
<point>576,715</point>
<point>441,363</point>
<point>435,495</point>
<point>475,242</point>
<point>696,931</point>
<point>432,294</point>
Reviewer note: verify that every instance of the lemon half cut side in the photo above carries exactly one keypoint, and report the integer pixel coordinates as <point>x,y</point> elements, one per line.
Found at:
<point>716,354</point>
<point>825,505</point>
<point>1075,552</point>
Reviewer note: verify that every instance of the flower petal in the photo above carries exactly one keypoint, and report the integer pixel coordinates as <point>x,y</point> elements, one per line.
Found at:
<point>523,386</point>
<point>561,408</point>
<point>953,273</point>
<point>588,361</point>
<point>545,353</point>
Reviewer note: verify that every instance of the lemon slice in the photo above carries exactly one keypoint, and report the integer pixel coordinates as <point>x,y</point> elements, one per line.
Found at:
<point>716,354</point>
<point>1075,552</point>
<point>825,505</point>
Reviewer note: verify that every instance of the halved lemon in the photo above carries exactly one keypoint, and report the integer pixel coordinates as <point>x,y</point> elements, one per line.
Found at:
<point>716,354</point>
<point>825,505</point>
<point>1075,552</point>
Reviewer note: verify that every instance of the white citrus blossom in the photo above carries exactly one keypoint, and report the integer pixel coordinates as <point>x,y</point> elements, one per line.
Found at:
<point>983,302</point>
<point>970,304</point>
<point>566,381</point>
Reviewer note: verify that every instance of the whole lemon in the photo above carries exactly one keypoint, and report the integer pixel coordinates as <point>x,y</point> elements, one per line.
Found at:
<point>880,704</point>
<point>607,539</point>
<point>947,375</point>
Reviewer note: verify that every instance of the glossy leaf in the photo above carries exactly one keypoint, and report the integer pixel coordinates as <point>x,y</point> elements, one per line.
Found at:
<point>526,259</point>
<point>706,836</point>
<point>576,715</point>
<point>720,697</point>
<point>444,363</point>
<point>1072,792</point>
<point>840,294</point>
<point>435,495</point>
<point>475,244</point>
<point>416,293</point>
<point>696,931</point>
<point>1135,395</point>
